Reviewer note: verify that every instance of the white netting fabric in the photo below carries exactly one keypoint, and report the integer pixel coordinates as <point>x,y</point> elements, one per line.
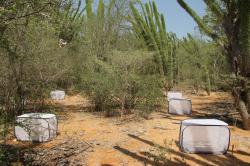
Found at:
<point>180,106</point>
<point>57,95</point>
<point>204,136</point>
<point>177,95</point>
<point>37,127</point>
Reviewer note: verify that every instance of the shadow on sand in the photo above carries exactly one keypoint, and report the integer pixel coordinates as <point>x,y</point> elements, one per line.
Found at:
<point>180,158</point>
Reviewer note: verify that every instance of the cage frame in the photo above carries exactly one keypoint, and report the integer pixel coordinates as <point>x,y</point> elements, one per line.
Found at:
<point>181,138</point>
<point>191,110</point>
<point>49,128</point>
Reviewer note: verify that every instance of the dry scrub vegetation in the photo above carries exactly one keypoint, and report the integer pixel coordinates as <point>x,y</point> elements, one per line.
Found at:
<point>116,61</point>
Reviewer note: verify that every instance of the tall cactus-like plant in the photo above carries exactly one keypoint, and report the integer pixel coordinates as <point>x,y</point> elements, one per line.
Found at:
<point>99,28</point>
<point>72,19</point>
<point>149,25</point>
<point>89,9</point>
<point>172,60</point>
<point>100,11</point>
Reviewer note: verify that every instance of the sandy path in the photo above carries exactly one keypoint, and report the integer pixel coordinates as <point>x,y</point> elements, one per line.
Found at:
<point>131,143</point>
<point>136,142</point>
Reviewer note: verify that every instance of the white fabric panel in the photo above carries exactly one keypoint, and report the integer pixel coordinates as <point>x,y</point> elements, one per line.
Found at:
<point>36,127</point>
<point>177,95</point>
<point>180,106</point>
<point>204,139</point>
<point>211,122</point>
<point>57,95</point>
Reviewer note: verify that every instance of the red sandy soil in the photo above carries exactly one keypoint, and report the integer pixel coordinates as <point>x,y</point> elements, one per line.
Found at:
<point>132,140</point>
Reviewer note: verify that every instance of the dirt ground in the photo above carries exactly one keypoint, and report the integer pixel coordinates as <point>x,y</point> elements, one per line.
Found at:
<point>138,142</point>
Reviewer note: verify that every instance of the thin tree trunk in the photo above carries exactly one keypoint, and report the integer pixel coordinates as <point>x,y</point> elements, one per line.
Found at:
<point>248,101</point>
<point>241,105</point>
<point>244,115</point>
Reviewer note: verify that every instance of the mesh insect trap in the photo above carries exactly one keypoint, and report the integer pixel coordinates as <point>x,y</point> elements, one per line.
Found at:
<point>204,136</point>
<point>57,95</point>
<point>180,106</point>
<point>175,95</point>
<point>37,127</point>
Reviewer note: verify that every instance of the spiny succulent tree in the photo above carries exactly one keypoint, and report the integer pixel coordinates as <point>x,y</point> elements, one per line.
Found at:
<point>149,25</point>
<point>70,19</point>
<point>232,19</point>
<point>99,26</point>
<point>172,59</point>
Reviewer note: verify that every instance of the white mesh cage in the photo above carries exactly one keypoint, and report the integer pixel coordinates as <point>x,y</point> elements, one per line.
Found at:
<point>177,95</point>
<point>57,95</point>
<point>204,136</point>
<point>38,127</point>
<point>180,106</point>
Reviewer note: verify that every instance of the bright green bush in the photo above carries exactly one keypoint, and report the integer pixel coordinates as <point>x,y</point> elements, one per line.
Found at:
<point>119,83</point>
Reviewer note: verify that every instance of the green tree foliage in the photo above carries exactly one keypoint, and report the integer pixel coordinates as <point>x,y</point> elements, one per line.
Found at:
<point>196,54</point>
<point>100,26</point>
<point>232,34</point>
<point>120,84</point>
<point>69,20</point>
<point>118,53</point>
<point>94,40</point>
<point>245,36</point>
<point>16,19</point>
<point>27,42</point>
